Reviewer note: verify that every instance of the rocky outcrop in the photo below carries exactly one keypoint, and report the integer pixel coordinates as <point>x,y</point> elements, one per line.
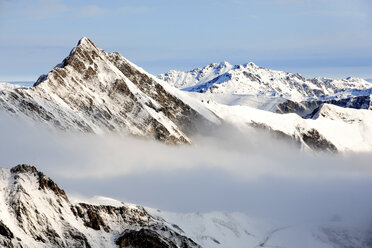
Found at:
<point>144,238</point>
<point>306,109</point>
<point>41,215</point>
<point>317,142</point>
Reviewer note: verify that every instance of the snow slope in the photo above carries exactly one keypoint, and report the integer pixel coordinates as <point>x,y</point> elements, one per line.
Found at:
<point>9,86</point>
<point>332,128</point>
<point>225,230</point>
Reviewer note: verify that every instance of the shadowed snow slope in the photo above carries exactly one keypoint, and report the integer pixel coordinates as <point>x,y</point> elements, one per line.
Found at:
<point>95,91</point>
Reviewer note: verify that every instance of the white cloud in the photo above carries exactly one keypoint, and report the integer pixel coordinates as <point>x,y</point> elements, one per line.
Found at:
<point>43,9</point>
<point>340,13</point>
<point>224,171</point>
<point>133,10</point>
<point>245,156</point>
<point>91,11</point>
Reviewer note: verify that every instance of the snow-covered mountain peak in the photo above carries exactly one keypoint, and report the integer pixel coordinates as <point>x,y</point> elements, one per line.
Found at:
<point>83,54</point>
<point>84,41</point>
<point>182,79</point>
<point>93,91</point>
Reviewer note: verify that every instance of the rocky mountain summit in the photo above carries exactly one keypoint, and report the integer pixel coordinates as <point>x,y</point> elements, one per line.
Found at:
<point>95,91</point>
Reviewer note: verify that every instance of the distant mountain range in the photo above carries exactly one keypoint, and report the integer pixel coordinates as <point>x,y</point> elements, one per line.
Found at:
<point>99,92</point>
<point>266,89</point>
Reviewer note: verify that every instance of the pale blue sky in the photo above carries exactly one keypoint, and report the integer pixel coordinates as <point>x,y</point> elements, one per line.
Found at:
<point>312,37</point>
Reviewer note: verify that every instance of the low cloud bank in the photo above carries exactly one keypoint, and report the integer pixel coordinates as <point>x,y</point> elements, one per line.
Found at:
<point>227,170</point>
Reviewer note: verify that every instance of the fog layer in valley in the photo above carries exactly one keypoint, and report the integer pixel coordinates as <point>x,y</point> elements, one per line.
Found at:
<point>225,170</point>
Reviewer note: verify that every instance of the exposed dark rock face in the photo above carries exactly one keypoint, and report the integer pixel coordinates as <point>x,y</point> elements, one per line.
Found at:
<point>277,134</point>
<point>317,142</point>
<point>306,109</point>
<point>4,231</point>
<point>43,213</point>
<point>312,138</point>
<point>172,107</point>
<point>144,238</point>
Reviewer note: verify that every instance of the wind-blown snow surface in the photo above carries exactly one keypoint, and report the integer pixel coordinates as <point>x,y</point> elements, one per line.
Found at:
<point>225,230</point>
<point>220,229</point>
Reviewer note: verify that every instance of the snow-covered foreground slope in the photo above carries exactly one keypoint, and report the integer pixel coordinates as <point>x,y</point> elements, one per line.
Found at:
<point>259,87</point>
<point>35,212</point>
<point>225,230</point>
<point>95,91</point>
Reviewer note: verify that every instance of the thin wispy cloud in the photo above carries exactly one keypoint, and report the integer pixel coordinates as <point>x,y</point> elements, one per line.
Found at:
<point>96,11</point>
<point>40,9</point>
<point>49,9</point>
<point>339,13</point>
<point>92,11</point>
<point>286,2</point>
<point>133,10</point>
